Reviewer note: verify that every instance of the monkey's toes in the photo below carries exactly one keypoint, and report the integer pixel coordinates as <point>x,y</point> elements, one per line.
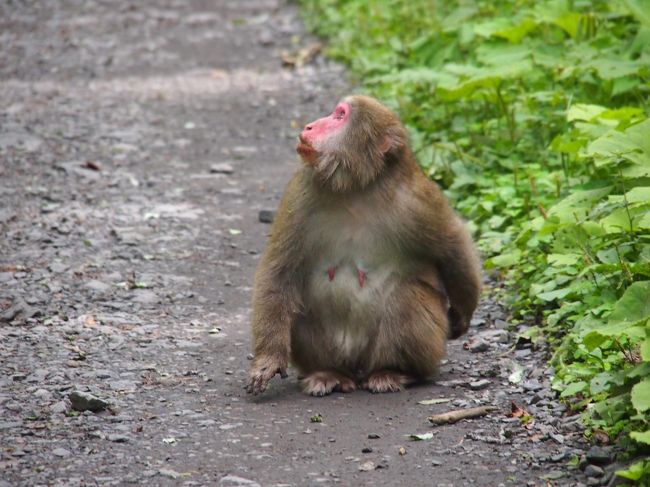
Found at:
<point>386,381</point>
<point>323,383</point>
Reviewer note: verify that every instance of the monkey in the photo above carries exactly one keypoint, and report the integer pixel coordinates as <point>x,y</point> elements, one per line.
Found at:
<point>368,270</point>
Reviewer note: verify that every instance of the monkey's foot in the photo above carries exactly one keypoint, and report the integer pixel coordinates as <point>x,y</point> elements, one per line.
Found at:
<point>386,381</point>
<point>323,383</point>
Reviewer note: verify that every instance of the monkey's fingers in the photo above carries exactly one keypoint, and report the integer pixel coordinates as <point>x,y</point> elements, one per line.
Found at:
<point>257,384</point>
<point>283,372</point>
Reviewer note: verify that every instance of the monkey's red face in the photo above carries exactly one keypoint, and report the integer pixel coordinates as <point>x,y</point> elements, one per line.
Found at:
<point>315,135</point>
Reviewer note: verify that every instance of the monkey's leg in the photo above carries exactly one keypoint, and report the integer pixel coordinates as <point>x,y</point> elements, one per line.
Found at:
<point>411,339</point>
<point>315,357</point>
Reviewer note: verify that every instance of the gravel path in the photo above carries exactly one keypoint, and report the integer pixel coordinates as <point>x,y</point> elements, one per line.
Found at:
<point>138,145</point>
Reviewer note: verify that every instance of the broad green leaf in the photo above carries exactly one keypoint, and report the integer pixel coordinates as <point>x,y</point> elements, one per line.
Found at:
<point>569,22</point>
<point>581,111</point>
<point>577,204</point>
<point>641,395</point>
<point>634,305</point>
<point>640,9</point>
<point>506,260</point>
<point>574,388</point>
<point>556,294</point>
<point>640,194</point>
<point>641,436</point>
<point>562,260</point>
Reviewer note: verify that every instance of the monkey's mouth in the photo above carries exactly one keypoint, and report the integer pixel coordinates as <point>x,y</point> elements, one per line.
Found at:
<point>305,149</point>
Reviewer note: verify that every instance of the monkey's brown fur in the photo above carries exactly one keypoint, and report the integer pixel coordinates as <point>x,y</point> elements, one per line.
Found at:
<point>367,271</point>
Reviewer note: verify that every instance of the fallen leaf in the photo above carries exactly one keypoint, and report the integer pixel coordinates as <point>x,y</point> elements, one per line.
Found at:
<point>234,231</point>
<point>439,400</point>
<point>169,440</point>
<point>420,437</point>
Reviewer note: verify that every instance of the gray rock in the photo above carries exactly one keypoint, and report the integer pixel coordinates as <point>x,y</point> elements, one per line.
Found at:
<point>266,216</point>
<point>60,407</point>
<point>478,346</point>
<point>84,401</point>
<point>98,286</point>
<point>531,385</point>
<point>479,384</point>
<point>235,481</point>
<point>496,336</point>
<point>61,452</point>
<point>116,438</point>
<point>145,296</point>
<point>600,455</point>
<point>222,168</point>
<point>594,471</point>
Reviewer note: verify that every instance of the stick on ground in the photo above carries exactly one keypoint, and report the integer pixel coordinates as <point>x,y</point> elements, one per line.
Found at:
<point>457,415</point>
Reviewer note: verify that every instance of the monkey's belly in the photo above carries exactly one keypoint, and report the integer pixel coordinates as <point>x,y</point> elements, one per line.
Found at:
<point>347,304</point>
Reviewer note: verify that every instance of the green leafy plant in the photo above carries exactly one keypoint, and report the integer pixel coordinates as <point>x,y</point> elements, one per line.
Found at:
<point>534,117</point>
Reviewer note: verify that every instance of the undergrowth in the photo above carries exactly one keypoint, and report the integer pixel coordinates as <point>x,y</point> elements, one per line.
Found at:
<point>535,118</point>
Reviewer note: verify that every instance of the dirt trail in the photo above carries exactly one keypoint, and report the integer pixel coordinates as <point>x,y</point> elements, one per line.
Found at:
<point>126,267</point>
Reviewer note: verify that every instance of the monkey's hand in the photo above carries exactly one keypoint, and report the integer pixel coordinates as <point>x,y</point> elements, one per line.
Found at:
<point>263,370</point>
<point>458,324</point>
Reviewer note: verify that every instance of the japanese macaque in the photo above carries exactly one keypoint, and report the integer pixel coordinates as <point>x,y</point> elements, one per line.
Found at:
<point>368,270</point>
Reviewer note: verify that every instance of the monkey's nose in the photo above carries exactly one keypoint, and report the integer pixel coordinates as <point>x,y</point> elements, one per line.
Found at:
<point>309,126</point>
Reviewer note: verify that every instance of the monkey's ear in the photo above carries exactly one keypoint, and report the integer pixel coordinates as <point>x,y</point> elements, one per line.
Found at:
<point>385,144</point>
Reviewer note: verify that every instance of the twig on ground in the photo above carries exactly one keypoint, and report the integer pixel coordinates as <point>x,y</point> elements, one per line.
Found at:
<point>453,416</point>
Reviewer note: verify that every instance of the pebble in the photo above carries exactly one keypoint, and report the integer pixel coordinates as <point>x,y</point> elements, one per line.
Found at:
<point>479,384</point>
<point>60,407</point>
<point>594,471</point>
<point>84,401</point>
<point>235,481</point>
<point>266,216</point>
<point>61,452</point>
<point>98,286</point>
<point>478,346</point>
<point>222,168</point>
<point>116,438</point>
<point>600,455</point>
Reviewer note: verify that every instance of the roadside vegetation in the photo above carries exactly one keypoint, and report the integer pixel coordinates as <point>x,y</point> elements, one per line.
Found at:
<point>534,115</point>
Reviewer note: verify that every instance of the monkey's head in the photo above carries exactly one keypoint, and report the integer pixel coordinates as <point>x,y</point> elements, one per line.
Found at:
<point>351,147</point>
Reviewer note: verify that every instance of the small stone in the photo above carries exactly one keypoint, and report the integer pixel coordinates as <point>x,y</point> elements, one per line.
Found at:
<point>145,296</point>
<point>221,168</point>
<point>478,346</point>
<point>83,401</point>
<point>531,385</point>
<point>235,481</point>
<point>61,452</point>
<point>98,286</point>
<point>116,438</point>
<point>594,471</point>
<point>479,384</point>
<point>600,455</point>
<point>367,466</point>
<point>60,407</point>
<point>266,216</point>
<point>373,436</point>
<point>366,450</point>
<point>436,463</point>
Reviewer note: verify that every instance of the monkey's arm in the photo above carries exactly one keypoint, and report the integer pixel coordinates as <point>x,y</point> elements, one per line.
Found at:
<point>449,244</point>
<point>460,270</point>
<point>276,293</point>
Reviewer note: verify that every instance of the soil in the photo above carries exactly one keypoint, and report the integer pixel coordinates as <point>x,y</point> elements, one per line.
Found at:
<point>139,142</point>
